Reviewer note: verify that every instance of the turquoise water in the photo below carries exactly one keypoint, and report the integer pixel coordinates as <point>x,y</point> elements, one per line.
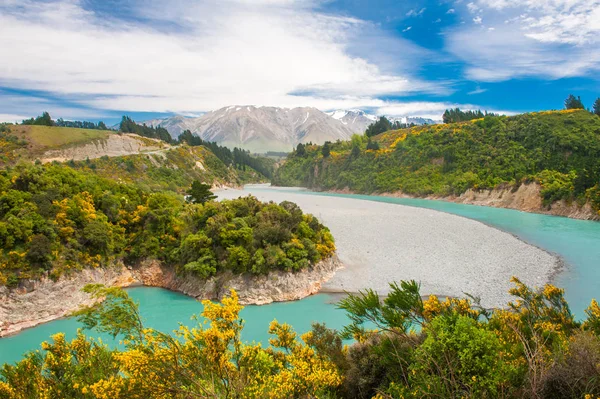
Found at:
<point>577,241</point>
<point>163,310</point>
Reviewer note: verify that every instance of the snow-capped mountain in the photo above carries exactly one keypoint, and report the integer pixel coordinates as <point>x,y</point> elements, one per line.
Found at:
<point>355,119</point>
<point>175,125</point>
<point>262,129</point>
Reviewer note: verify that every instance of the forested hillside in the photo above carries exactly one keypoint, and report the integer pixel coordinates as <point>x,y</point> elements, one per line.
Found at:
<point>560,150</point>
<point>55,219</point>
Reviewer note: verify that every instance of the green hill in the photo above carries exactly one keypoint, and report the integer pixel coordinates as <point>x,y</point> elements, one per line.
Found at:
<point>560,150</point>
<point>129,158</point>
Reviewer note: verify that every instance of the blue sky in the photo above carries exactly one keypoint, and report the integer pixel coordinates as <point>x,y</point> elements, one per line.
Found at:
<point>100,59</point>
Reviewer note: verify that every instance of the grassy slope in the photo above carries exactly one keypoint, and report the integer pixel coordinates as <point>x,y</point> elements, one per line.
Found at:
<point>47,137</point>
<point>559,149</point>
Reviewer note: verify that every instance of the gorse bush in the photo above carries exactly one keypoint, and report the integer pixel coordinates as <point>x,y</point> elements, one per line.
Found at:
<point>55,220</point>
<point>406,347</point>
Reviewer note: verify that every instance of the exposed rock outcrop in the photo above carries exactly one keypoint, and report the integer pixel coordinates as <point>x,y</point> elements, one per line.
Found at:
<point>40,301</point>
<point>525,198</point>
<point>114,145</point>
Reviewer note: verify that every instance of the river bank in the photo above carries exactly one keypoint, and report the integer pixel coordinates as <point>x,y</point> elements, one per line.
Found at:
<point>449,255</point>
<point>525,198</point>
<point>41,301</point>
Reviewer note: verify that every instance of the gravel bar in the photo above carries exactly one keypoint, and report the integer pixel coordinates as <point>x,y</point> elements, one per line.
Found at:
<point>449,255</point>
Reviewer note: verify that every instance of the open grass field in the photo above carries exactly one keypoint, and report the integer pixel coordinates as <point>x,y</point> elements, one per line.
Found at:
<point>46,137</point>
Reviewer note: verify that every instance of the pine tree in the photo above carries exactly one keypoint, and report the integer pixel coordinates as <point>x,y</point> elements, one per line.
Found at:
<point>200,193</point>
<point>381,125</point>
<point>326,150</point>
<point>597,106</point>
<point>573,102</point>
<point>300,150</point>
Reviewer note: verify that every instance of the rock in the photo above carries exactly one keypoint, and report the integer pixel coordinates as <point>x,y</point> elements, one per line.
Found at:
<point>40,301</point>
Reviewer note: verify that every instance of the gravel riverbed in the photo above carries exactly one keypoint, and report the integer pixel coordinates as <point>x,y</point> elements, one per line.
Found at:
<point>449,255</point>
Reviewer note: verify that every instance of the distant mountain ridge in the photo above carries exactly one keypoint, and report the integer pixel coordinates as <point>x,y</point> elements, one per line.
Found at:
<point>262,129</point>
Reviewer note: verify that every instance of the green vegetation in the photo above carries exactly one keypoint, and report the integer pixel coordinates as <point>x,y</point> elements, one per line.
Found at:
<point>49,137</point>
<point>200,193</point>
<point>558,149</point>
<point>456,115</point>
<point>46,120</point>
<point>128,125</point>
<point>418,348</point>
<point>171,170</point>
<point>383,124</point>
<point>55,220</point>
<point>597,106</point>
<point>573,102</point>
<point>239,158</point>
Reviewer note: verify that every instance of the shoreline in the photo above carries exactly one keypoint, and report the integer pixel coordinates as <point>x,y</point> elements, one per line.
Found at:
<point>44,300</point>
<point>559,208</point>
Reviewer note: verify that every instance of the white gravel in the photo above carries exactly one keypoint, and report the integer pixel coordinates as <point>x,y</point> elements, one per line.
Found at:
<point>448,254</point>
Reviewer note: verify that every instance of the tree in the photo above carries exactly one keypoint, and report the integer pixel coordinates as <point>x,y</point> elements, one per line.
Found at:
<point>457,115</point>
<point>326,150</point>
<point>200,193</point>
<point>44,120</point>
<point>372,145</point>
<point>573,102</point>
<point>300,150</point>
<point>380,126</point>
<point>355,151</point>
<point>597,106</point>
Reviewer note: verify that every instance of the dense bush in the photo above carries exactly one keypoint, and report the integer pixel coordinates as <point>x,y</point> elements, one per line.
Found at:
<point>57,219</point>
<point>559,149</point>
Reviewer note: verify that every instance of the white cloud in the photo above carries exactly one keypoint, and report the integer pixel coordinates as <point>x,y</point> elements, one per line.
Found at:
<point>227,52</point>
<point>472,7</point>
<point>477,90</point>
<point>432,110</point>
<point>415,13</point>
<point>12,118</point>
<point>451,11</point>
<point>542,38</point>
<point>407,29</point>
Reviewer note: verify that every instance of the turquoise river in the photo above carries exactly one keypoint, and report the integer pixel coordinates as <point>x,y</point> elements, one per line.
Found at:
<point>576,241</point>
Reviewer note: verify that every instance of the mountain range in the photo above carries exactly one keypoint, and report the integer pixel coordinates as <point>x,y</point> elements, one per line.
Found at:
<point>262,129</point>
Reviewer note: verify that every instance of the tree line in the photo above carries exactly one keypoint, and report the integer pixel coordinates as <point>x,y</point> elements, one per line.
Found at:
<point>46,120</point>
<point>383,124</point>
<point>573,102</point>
<point>238,158</point>
<point>128,125</point>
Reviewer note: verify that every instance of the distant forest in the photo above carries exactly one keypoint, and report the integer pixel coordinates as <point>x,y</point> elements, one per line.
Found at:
<point>46,120</point>
<point>238,158</point>
<point>128,125</point>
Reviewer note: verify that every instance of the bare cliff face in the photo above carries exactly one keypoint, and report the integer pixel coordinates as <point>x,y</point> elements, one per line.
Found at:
<point>114,145</point>
<point>37,302</point>
<point>526,198</point>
